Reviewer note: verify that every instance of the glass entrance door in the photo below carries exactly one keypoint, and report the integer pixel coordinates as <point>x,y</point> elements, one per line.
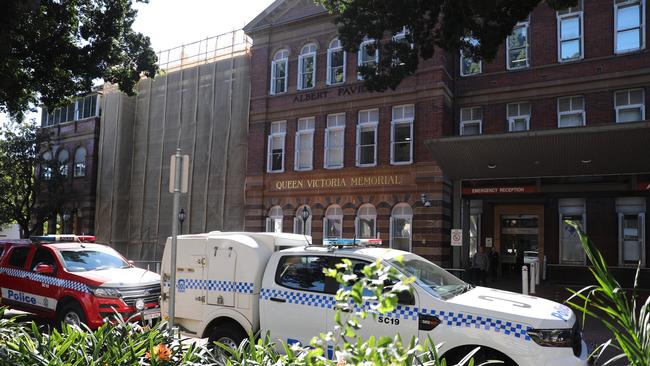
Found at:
<point>519,238</point>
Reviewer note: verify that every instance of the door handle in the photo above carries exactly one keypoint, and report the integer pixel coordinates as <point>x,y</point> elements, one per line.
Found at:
<point>277,299</point>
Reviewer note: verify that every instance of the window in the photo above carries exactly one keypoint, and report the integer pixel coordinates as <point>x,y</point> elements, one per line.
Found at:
<point>335,63</point>
<point>47,165</point>
<point>367,137</point>
<point>517,47</point>
<point>307,67</point>
<point>276,147</point>
<point>518,116</point>
<point>279,69</point>
<point>400,37</point>
<point>569,31</point>
<point>571,251</point>
<point>471,121</point>
<point>629,105</point>
<point>42,256</point>
<point>570,112</point>
<point>80,162</point>
<point>368,55</point>
<point>629,19</point>
<point>366,222</point>
<point>401,136</point>
<point>63,162</point>
<point>631,231</point>
<point>333,222</point>
<point>298,222</point>
<point>18,257</point>
<point>303,273</point>
<point>468,65</point>
<point>304,144</point>
<point>401,220</point>
<point>334,141</point>
<point>274,220</point>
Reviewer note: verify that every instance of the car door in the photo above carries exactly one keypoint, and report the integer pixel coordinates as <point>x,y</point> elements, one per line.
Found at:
<point>15,280</point>
<point>294,303</point>
<point>44,286</point>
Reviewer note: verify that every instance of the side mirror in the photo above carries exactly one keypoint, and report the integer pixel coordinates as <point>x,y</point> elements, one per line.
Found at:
<point>131,262</point>
<point>45,269</point>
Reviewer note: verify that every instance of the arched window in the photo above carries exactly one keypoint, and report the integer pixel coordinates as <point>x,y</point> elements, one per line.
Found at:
<point>335,63</point>
<point>401,220</point>
<point>333,222</point>
<point>274,220</point>
<point>368,54</point>
<point>307,67</point>
<point>80,162</point>
<point>298,226</point>
<point>279,69</point>
<point>47,168</point>
<point>366,222</point>
<point>64,157</point>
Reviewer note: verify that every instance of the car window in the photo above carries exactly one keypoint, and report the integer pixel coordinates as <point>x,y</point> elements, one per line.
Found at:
<point>42,256</point>
<point>303,273</point>
<point>91,260</point>
<point>18,257</point>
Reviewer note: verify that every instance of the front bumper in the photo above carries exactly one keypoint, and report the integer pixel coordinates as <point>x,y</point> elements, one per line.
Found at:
<point>109,309</point>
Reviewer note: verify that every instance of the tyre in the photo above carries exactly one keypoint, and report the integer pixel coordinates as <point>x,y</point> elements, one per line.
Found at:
<point>229,334</point>
<point>483,355</point>
<point>71,314</point>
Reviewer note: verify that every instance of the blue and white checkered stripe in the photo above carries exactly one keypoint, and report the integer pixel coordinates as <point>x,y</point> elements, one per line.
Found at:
<point>215,285</point>
<point>52,281</point>
<point>448,318</point>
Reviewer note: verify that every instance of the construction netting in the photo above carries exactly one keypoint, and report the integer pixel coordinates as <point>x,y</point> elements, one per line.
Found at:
<point>204,111</point>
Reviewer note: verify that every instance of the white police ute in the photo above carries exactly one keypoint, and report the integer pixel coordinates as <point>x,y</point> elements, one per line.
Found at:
<point>232,283</point>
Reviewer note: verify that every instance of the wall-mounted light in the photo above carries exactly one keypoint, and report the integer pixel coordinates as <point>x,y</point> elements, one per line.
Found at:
<point>491,166</point>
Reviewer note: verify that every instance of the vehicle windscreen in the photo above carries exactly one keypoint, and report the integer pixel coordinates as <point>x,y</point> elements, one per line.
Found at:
<point>91,260</point>
<point>432,278</point>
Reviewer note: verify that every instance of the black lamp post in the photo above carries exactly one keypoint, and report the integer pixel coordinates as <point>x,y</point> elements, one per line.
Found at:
<point>181,218</point>
<point>304,214</point>
<point>66,217</point>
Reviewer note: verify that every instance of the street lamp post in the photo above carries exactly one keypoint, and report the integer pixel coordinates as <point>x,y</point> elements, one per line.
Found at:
<point>181,218</point>
<point>304,214</point>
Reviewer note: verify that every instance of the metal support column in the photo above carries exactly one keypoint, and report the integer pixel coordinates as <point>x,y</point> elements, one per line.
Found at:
<point>456,219</point>
<point>464,260</point>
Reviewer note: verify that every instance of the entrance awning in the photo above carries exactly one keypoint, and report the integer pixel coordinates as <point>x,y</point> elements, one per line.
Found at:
<point>599,150</point>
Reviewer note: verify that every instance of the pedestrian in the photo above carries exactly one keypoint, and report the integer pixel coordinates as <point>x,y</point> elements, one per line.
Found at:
<point>479,267</point>
<point>494,263</point>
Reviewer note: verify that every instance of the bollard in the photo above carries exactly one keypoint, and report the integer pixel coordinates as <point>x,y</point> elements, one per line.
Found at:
<point>524,280</point>
<point>533,275</point>
<point>538,271</point>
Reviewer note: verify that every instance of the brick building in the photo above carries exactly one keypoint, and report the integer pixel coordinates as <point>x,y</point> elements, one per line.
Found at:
<point>553,128</point>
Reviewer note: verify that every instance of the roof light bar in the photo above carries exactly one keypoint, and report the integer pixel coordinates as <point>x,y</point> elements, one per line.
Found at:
<point>351,242</point>
<point>62,238</point>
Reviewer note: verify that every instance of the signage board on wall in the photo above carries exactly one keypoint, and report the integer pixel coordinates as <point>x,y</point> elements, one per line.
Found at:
<point>488,242</point>
<point>499,190</point>
<point>456,237</point>
<point>342,182</point>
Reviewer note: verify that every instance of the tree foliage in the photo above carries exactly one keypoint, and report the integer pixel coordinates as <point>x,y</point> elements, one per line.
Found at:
<point>431,24</point>
<point>52,50</point>
<point>29,196</point>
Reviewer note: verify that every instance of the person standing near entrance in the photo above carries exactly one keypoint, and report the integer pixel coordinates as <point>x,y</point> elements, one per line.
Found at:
<point>479,267</point>
<point>494,263</point>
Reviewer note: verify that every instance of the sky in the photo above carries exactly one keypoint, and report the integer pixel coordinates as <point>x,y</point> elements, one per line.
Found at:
<point>172,23</point>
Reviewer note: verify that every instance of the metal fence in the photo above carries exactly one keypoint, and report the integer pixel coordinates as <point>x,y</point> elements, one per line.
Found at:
<point>208,50</point>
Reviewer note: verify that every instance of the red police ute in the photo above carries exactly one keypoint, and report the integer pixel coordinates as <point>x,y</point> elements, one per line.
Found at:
<point>73,280</point>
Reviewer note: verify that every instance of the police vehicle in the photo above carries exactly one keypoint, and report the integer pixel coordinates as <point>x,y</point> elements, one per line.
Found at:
<point>71,279</point>
<point>229,284</point>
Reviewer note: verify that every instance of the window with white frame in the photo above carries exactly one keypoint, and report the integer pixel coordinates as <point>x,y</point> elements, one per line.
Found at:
<point>307,67</point>
<point>335,63</point>
<point>468,65</point>
<point>400,37</point>
<point>517,47</point>
<point>334,141</point>
<point>629,20</point>
<point>367,137</point>
<point>571,251</point>
<point>80,162</point>
<point>368,55</point>
<point>401,220</point>
<point>471,121</point>
<point>631,231</point>
<point>629,105</point>
<point>46,169</point>
<point>304,151</point>
<point>333,222</point>
<point>570,33</point>
<point>366,221</point>
<point>300,226</point>
<point>275,153</point>
<point>518,116</point>
<point>279,69</point>
<point>401,135</point>
<point>571,111</point>
<point>64,157</point>
<point>274,220</point>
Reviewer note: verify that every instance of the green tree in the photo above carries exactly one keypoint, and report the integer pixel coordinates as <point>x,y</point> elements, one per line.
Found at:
<point>33,189</point>
<point>446,24</point>
<point>52,50</point>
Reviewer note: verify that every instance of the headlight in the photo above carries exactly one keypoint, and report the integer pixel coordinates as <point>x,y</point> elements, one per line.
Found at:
<point>106,292</point>
<point>139,305</point>
<point>552,337</point>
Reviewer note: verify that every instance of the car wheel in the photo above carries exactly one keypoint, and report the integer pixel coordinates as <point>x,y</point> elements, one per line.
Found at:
<point>72,314</point>
<point>229,334</point>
